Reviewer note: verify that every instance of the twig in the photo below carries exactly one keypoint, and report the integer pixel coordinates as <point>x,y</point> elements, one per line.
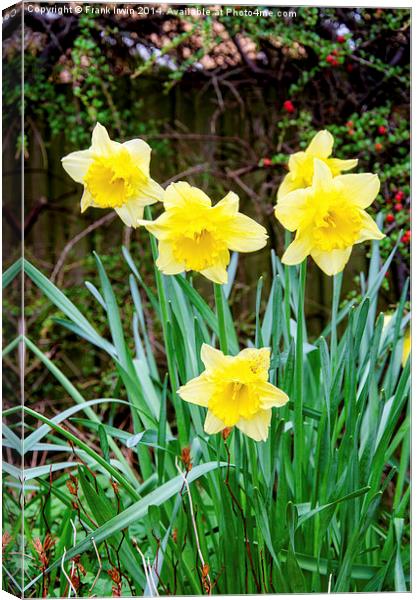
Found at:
<point>73,562</point>
<point>151,577</point>
<point>99,565</point>
<point>61,260</point>
<point>150,583</point>
<point>329,588</point>
<point>65,573</point>
<point>200,554</point>
<point>187,172</point>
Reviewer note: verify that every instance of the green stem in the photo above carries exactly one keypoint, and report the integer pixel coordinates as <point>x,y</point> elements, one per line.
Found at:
<point>219,299</point>
<point>287,293</point>
<point>298,388</point>
<point>337,286</point>
<point>165,320</point>
<point>254,462</point>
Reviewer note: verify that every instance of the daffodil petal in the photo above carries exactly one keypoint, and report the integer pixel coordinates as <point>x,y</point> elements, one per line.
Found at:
<point>271,395</point>
<point>229,204</point>
<point>179,194</point>
<point>152,191</point>
<point>406,348</point>
<point>166,262</point>
<point>260,359</point>
<point>286,186</point>
<point>321,145</point>
<point>141,152</point>
<point>361,188</point>
<point>197,391</point>
<point>86,200</point>
<point>159,227</point>
<point>337,165</point>
<point>213,358</point>
<point>217,273</point>
<point>258,427</point>
<point>101,144</point>
<point>296,163</point>
<point>212,424</point>
<point>131,212</point>
<point>257,354</point>
<point>77,164</point>
<point>290,209</point>
<point>332,261</point>
<point>243,234</point>
<point>370,230</point>
<point>322,177</point>
<point>297,250</point>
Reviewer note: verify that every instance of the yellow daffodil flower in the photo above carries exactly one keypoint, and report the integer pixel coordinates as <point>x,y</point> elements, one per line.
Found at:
<point>194,235</point>
<point>406,340</point>
<point>406,346</point>
<point>301,164</point>
<point>114,175</point>
<point>236,391</point>
<point>329,217</point>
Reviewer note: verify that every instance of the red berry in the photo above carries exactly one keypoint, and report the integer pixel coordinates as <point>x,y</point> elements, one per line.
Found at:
<point>378,147</point>
<point>405,239</point>
<point>341,39</point>
<point>332,60</point>
<point>351,132</point>
<point>382,130</point>
<point>267,162</point>
<point>390,218</point>
<point>335,52</point>
<point>399,196</point>
<point>349,124</point>
<point>398,207</point>
<point>289,106</point>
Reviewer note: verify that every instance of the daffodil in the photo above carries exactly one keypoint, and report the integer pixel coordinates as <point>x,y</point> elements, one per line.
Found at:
<point>196,236</point>
<point>301,164</point>
<point>406,347</point>
<point>329,217</point>
<point>406,340</point>
<point>236,391</point>
<point>114,175</point>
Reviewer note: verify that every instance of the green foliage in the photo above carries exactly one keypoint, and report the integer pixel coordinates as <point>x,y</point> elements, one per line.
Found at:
<point>95,93</point>
<point>253,517</point>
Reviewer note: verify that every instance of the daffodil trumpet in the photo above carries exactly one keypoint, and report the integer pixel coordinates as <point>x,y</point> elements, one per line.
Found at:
<point>114,175</point>
<point>236,391</point>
